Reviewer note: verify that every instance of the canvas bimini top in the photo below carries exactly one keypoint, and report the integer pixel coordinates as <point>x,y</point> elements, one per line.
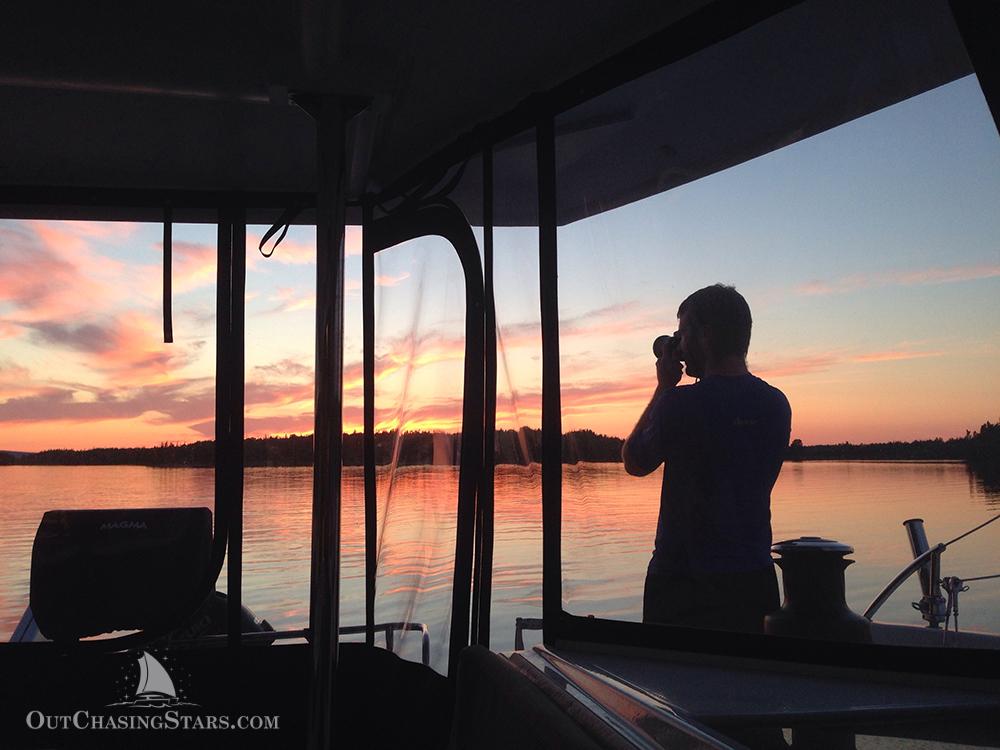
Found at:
<point>106,115</point>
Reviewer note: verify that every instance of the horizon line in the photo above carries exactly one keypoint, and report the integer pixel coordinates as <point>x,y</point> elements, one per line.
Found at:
<point>288,436</point>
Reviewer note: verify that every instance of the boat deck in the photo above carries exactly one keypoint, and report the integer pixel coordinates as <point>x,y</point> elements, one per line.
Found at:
<point>634,691</point>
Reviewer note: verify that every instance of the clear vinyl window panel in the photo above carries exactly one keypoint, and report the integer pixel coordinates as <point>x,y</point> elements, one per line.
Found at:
<point>278,424</point>
<point>516,589</point>
<point>419,366</point>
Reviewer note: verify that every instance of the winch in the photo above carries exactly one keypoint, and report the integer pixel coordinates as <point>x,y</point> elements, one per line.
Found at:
<point>815,606</point>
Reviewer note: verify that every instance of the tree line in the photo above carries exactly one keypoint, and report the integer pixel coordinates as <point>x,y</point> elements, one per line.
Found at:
<point>407,449</point>
<point>979,449</point>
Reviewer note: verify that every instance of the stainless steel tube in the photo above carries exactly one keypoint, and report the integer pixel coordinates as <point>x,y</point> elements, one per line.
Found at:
<point>918,545</point>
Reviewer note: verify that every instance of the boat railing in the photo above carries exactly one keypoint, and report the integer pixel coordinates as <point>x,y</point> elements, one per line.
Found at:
<point>932,555</point>
<point>520,625</point>
<point>27,631</point>
<point>933,606</point>
<point>388,629</point>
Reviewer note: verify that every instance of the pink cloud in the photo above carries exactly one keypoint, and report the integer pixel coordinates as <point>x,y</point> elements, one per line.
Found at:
<point>287,368</point>
<point>811,362</point>
<point>352,240</point>
<point>258,394</point>
<point>71,241</point>
<point>289,252</point>
<point>798,365</point>
<point>298,251</point>
<point>127,348</point>
<point>115,231</point>
<point>188,402</point>
<point>290,299</point>
<point>948,275</point>
<point>388,280</point>
<point>165,403</point>
<point>919,277</point>
<point>894,356</point>
<point>53,273</point>
<point>15,380</point>
<point>626,318</point>
<point>9,330</point>
<point>42,280</point>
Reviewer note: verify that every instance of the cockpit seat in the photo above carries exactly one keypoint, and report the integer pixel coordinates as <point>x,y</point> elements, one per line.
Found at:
<point>98,571</point>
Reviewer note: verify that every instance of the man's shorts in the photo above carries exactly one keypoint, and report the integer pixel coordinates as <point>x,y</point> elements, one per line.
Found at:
<point>718,601</point>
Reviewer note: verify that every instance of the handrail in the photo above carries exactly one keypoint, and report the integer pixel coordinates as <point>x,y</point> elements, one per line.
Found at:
<point>390,627</point>
<point>386,627</point>
<point>268,636</point>
<point>525,623</point>
<point>905,573</point>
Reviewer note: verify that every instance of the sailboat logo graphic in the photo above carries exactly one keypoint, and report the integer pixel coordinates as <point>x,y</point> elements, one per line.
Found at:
<point>155,688</point>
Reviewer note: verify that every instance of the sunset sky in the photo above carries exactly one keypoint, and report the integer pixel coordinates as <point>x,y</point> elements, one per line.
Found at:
<point>870,256</point>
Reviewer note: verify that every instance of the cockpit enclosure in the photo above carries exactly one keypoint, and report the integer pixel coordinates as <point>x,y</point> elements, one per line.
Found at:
<point>837,162</point>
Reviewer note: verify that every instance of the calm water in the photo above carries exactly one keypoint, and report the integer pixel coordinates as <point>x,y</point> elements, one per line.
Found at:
<point>609,521</point>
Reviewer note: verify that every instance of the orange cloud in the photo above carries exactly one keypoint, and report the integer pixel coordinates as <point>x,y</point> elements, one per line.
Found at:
<point>299,424</point>
<point>193,267</point>
<point>185,406</point>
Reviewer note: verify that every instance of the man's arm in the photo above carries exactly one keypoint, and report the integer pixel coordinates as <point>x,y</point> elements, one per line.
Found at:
<point>633,465</point>
<point>638,454</point>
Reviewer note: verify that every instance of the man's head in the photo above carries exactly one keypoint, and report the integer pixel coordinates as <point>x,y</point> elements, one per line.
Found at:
<point>714,326</point>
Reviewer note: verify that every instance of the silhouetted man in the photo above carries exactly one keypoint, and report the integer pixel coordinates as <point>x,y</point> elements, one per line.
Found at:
<point>722,441</point>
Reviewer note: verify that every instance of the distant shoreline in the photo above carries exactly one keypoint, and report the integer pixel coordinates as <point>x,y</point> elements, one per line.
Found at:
<point>788,462</point>
<point>980,450</point>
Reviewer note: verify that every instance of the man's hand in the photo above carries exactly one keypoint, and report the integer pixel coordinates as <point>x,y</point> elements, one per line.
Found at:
<point>668,369</point>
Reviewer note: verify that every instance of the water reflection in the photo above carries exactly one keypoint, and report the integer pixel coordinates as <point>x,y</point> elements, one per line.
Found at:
<point>609,521</point>
<point>986,483</point>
